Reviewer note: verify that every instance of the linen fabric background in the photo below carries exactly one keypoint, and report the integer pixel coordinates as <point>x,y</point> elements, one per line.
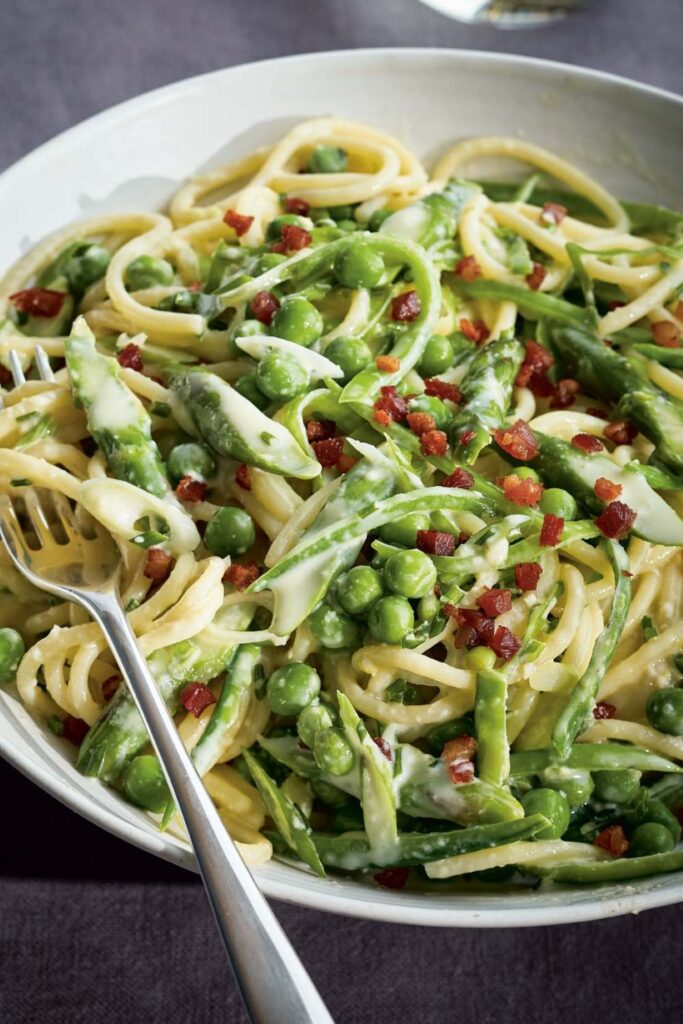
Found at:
<point>95,932</point>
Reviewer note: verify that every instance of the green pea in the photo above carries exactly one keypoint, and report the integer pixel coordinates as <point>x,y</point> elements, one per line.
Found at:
<point>230,531</point>
<point>435,407</point>
<point>268,261</point>
<point>251,329</point>
<point>332,629</point>
<point>577,786</point>
<point>664,711</point>
<point>249,389</point>
<point>332,752</point>
<point>292,688</point>
<point>147,272</point>
<point>12,650</point>
<point>280,377</point>
<point>438,356</point>
<point>191,459</point>
<point>87,266</point>
<point>327,160</point>
<point>404,531</point>
<point>410,573</point>
<point>274,229</point>
<point>438,737</point>
<point>312,719</point>
<point>390,619</point>
<point>359,588</point>
<point>351,354</point>
<point>618,786</point>
<point>348,818</point>
<point>656,810</point>
<point>651,837</point>
<point>428,607</point>
<point>297,320</point>
<point>341,212</point>
<point>329,794</point>
<point>479,659</point>
<point>557,502</point>
<point>553,805</point>
<point>377,219</point>
<point>145,785</point>
<point>527,473</point>
<point>359,266</point>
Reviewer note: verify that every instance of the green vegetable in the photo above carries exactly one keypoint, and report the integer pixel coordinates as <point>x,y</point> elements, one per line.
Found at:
<point>144,783</point>
<point>191,459</point>
<point>616,787</point>
<point>327,160</point>
<point>238,682</point>
<point>622,869</point>
<point>332,751</point>
<point>438,356</point>
<point>292,688</point>
<point>281,377</point>
<point>230,531</point>
<point>665,711</point>
<point>359,266</point>
<point>438,737</point>
<point>86,265</point>
<point>575,786</point>
<point>359,588</point>
<point>649,838</point>
<point>558,502</point>
<point>553,806</point>
<point>351,354</point>
<point>590,757</point>
<point>493,752</point>
<point>12,650</point>
<point>404,531</point>
<point>332,629</point>
<point>391,619</point>
<point>148,272</point>
<point>297,320</point>
<point>274,231</point>
<point>434,407</point>
<point>312,719</point>
<point>248,387</point>
<point>410,573</point>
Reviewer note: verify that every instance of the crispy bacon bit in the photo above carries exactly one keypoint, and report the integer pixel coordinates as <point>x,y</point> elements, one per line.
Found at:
<point>196,286</point>
<point>468,269</point>
<point>599,414</point>
<point>242,575</point>
<point>388,364</point>
<point>606,490</point>
<point>264,306</point>
<point>474,330</point>
<point>196,697</point>
<point>5,376</point>
<point>518,441</point>
<point>442,389</point>
<point>537,362</point>
<point>392,878</point>
<point>475,630</point>
<point>191,489</point>
<point>109,687</point>
<point>522,491</point>
<point>459,748</point>
<point>604,710</point>
<point>346,462</point>
<point>380,742</point>
<point>158,565</point>
<point>615,304</point>
<point>435,542</point>
<point>465,438</point>
<point>421,422</point>
<point>527,575</point>
<point>587,443</point>
<point>75,729</point>
<point>405,306</point>
<point>393,404</point>
<point>613,839</point>
<point>504,643</point>
<point>495,602</point>
<point>130,357</point>
<point>666,334</point>
<point>293,204</point>
<point>461,772</point>
<point>320,430</point>
<point>243,477</point>
<point>553,213</point>
<point>537,276</point>
<point>238,222</point>
<point>616,520</point>
<point>620,432</point>
<point>433,442</point>
<point>328,452</point>
<point>38,301</point>
<point>458,478</point>
<point>565,393</point>
<point>292,239</point>
<point>551,531</point>
<point>382,417</point>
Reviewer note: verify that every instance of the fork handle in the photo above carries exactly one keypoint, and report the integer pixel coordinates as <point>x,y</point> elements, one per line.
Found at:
<point>272,980</point>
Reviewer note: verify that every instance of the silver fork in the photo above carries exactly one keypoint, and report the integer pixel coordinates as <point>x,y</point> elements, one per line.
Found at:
<point>273,982</point>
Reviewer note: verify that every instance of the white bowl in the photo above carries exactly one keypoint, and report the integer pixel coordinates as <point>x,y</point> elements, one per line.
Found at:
<point>134,156</point>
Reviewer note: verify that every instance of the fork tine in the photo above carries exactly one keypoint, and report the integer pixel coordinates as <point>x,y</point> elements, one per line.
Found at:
<point>16,370</point>
<point>11,532</point>
<point>39,520</point>
<point>43,364</point>
<point>65,515</point>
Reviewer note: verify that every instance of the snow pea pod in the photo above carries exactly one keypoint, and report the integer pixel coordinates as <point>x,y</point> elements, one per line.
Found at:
<point>487,393</point>
<point>624,869</point>
<point>493,753</point>
<point>533,305</point>
<point>590,757</point>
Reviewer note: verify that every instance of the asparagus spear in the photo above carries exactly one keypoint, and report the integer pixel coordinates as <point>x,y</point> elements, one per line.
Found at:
<point>116,418</point>
<point>493,754</point>
<point>621,870</point>
<point>487,391</point>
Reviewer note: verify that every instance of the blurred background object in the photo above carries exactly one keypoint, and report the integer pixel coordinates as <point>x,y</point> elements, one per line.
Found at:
<point>505,13</point>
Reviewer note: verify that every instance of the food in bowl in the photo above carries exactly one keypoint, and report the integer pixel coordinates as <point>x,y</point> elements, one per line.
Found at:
<point>393,460</point>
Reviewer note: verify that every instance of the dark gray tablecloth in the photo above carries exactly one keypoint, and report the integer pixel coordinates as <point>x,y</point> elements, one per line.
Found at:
<point>94,932</point>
